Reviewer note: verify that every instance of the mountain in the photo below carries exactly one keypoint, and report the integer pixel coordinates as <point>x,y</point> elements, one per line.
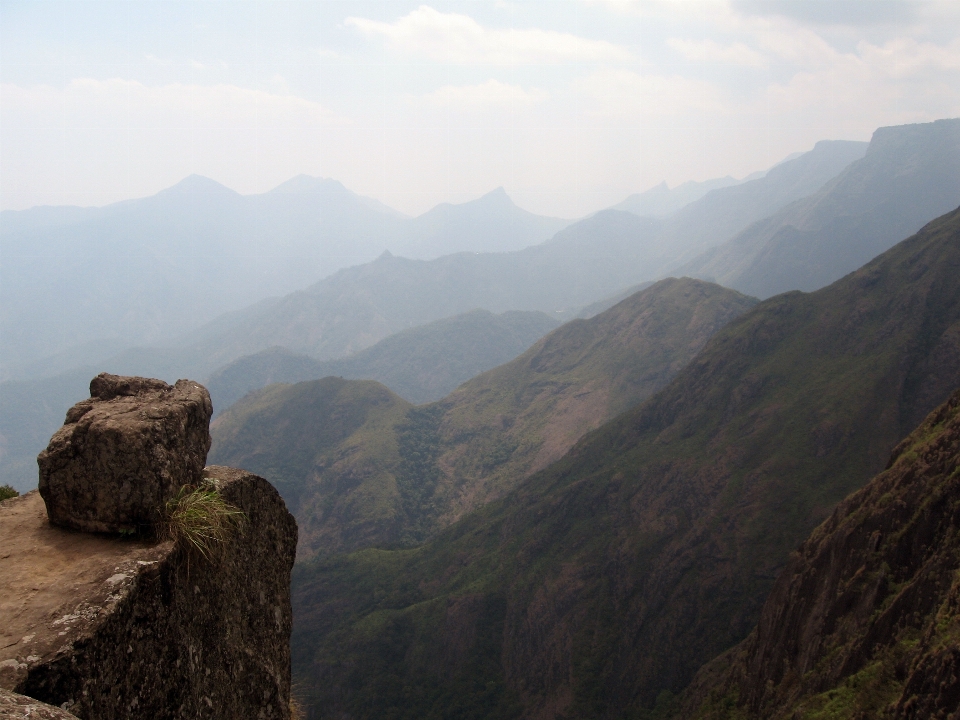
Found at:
<point>724,212</point>
<point>142,270</point>
<point>909,174</point>
<point>491,223</point>
<point>518,418</point>
<point>358,306</point>
<point>661,200</point>
<point>421,364</point>
<point>330,447</point>
<point>440,460</point>
<point>865,619</point>
<point>604,581</point>
<point>80,284</point>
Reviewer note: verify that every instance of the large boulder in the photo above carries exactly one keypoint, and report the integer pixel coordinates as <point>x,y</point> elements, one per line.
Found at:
<point>124,452</point>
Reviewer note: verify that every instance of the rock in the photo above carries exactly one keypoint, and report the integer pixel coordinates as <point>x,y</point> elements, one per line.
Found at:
<point>135,629</point>
<point>13,705</point>
<point>124,452</point>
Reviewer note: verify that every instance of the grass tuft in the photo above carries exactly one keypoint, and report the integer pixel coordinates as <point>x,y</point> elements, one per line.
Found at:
<point>201,520</point>
<point>7,492</point>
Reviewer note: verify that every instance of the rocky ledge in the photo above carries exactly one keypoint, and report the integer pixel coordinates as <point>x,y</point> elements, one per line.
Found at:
<point>110,627</point>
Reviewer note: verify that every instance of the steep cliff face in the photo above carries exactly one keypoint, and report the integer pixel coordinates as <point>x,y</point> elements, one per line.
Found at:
<point>864,622</point>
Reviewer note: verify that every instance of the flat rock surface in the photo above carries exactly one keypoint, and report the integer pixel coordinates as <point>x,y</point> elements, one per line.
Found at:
<point>55,581</point>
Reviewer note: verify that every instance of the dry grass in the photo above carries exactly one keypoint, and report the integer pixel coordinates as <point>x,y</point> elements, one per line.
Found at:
<point>200,520</point>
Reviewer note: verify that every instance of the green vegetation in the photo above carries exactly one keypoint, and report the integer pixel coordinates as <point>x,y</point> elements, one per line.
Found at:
<point>417,472</point>
<point>421,364</point>
<point>7,492</point>
<point>360,467</point>
<point>660,534</point>
<point>330,448</point>
<point>201,521</point>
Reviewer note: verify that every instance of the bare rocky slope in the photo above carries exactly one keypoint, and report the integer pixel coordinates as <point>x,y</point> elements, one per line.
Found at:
<point>864,622</point>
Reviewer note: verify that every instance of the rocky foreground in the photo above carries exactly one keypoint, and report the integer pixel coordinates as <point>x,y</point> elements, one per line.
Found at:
<point>128,624</point>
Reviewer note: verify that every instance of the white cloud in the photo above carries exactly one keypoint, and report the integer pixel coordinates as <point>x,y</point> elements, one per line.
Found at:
<point>709,51</point>
<point>624,93</point>
<point>491,93</point>
<point>454,38</point>
<point>905,57</point>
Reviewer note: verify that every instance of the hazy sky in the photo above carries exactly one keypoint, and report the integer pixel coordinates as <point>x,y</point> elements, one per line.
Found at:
<point>571,105</point>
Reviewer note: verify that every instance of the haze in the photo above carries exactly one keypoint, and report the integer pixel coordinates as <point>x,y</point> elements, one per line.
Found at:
<point>569,105</point>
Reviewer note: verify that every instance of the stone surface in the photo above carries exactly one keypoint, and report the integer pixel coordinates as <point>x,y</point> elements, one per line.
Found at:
<point>13,706</point>
<point>124,452</point>
<point>112,628</point>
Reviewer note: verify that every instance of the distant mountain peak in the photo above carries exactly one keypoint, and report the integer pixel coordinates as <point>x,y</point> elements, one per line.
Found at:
<point>309,184</point>
<point>198,185</point>
<point>497,197</point>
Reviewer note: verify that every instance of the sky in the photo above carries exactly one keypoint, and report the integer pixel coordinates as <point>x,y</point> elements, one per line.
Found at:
<point>570,105</point>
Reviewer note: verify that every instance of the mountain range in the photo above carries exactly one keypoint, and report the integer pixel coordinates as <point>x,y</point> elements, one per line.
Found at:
<point>585,262</point>
<point>909,175</point>
<point>359,466</point>
<point>421,364</point>
<point>602,583</point>
<point>84,283</point>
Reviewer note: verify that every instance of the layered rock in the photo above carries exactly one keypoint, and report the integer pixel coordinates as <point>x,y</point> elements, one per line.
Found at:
<point>13,705</point>
<point>864,622</point>
<point>112,628</point>
<point>124,452</point>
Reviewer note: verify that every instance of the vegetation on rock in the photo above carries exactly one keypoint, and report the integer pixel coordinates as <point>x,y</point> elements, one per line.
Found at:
<point>200,520</point>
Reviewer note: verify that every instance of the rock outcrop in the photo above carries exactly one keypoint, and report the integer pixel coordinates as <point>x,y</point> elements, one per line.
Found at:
<point>113,628</point>
<point>864,622</point>
<point>124,452</point>
<point>137,625</point>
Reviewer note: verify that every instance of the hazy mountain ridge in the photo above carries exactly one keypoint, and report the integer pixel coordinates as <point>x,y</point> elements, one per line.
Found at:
<point>583,263</point>
<point>421,364</point>
<point>722,213</point>
<point>612,575</point>
<point>908,175</point>
<point>444,459</point>
<point>147,270</point>
<point>662,200</point>
<point>865,619</point>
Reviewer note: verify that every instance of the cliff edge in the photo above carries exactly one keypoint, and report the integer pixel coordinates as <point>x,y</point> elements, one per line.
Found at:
<point>125,625</point>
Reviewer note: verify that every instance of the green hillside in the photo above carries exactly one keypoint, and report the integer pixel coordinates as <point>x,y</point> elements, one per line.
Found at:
<point>330,448</point>
<point>423,467</point>
<point>518,418</point>
<point>421,364</point>
<point>605,581</point>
